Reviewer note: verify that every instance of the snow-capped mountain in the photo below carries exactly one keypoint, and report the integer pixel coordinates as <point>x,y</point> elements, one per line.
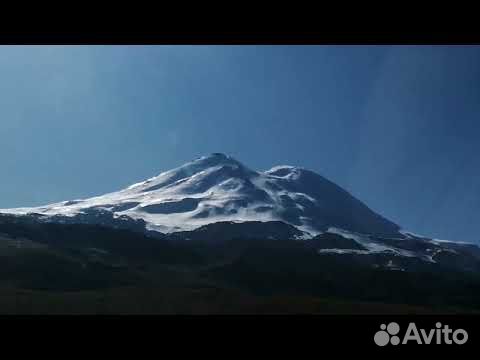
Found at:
<point>218,188</point>
<point>215,198</point>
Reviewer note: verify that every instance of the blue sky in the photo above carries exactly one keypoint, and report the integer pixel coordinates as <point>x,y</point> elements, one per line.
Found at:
<point>397,126</point>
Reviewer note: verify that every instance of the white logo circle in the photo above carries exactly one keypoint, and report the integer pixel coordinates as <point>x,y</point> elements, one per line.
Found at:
<point>383,337</point>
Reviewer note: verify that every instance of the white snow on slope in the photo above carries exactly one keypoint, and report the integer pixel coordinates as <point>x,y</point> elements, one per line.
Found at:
<point>369,244</point>
<point>209,189</point>
<point>412,235</point>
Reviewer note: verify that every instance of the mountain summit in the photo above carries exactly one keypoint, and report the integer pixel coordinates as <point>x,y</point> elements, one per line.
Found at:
<point>217,188</point>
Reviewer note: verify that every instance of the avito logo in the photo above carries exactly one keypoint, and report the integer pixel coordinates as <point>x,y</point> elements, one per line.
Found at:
<point>439,335</point>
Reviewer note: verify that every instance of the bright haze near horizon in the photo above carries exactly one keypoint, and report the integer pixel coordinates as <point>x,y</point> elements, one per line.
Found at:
<point>396,126</point>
